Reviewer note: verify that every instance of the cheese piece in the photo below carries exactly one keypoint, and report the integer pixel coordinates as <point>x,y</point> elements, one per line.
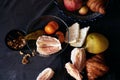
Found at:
<point>73,33</point>
<point>82,36</point>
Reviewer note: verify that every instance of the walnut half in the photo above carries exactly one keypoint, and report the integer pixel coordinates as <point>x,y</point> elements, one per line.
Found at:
<point>25,59</point>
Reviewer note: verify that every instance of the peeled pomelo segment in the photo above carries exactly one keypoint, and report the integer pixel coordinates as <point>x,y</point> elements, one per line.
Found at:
<point>48,50</point>
<point>47,45</point>
<point>73,33</point>
<point>78,58</point>
<point>72,71</point>
<point>82,36</point>
<point>46,74</point>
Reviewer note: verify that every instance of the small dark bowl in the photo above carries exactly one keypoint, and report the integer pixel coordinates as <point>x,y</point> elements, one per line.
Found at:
<point>12,36</point>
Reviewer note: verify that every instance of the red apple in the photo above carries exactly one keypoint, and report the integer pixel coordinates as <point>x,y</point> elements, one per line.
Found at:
<point>72,5</point>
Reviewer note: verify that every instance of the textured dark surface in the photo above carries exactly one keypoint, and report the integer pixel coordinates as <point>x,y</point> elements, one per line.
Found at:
<point>18,14</point>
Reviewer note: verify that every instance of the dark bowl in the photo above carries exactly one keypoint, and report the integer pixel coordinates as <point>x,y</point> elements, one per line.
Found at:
<point>13,39</point>
<point>90,16</point>
<point>40,23</point>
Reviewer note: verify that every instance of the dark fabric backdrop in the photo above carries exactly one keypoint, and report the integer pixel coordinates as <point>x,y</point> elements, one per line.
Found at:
<point>18,14</point>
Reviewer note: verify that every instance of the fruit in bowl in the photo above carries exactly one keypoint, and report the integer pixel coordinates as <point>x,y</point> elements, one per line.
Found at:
<point>47,45</point>
<point>83,10</point>
<point>51,27</point>
<point>72,5</point>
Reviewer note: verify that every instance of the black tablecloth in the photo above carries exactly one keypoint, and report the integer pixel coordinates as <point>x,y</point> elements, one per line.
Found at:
<point>18,14</point>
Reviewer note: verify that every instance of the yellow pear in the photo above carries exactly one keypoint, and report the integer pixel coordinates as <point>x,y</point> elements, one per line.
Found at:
<point>96,43</point>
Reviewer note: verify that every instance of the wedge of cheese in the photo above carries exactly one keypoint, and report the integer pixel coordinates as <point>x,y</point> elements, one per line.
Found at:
<point>81,38</point>
<point>73,33</point>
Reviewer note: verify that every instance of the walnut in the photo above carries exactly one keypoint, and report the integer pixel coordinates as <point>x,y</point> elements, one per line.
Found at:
<point>25,59</point>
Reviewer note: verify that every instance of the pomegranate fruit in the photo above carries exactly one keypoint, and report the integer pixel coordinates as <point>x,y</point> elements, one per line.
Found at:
<point>72,5</point>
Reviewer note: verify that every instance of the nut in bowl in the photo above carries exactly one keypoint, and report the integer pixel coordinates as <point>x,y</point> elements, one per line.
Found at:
<point>82,10</point>
<point>52,35</point>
